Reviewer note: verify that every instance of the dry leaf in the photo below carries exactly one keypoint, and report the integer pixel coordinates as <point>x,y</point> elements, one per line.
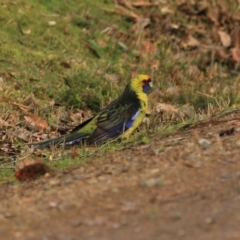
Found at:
<point>236,36</point>
<point>75,153</point>
<point>174,26</point>
<point>52,23</point>
<point>65,64</point>
<point>225,38</point>
<point>20,106</point>
<point>125,12</point>
<point>234,122</point>
<point>36,121</point>
<point>193,71</point>
<point>4,123</point>
<point>112,77</point>
<point>148,48</point>
<point>166,10</point>
<point>163,107</point>
<point>235,52</point>
<point>221,53</point>
<point>227,132</point>
<point>213,15</point>
<point>168,111</point>
<point>155,64</point>
<point>124,3</point>
<point>1,81</point>
<point>173,90</point>
<point>144,4</point>
<point>32,171</point>
<point>142,23</point>
<point>190,41</point>
<point>21,133</point>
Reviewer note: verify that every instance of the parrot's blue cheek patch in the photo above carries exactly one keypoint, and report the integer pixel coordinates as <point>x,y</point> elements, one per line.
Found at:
<point>146,88</point>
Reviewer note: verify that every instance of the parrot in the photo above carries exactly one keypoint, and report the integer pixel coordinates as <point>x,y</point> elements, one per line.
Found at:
<point>118,119</point>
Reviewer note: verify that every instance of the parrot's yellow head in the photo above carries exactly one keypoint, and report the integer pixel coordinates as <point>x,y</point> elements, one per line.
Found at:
<point>141,83</point>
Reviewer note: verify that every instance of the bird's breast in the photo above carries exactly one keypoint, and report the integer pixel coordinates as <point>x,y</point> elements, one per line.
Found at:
<point>130,122</point>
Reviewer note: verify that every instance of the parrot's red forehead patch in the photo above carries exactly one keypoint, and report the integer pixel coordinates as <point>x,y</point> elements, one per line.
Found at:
<point>147,81</point>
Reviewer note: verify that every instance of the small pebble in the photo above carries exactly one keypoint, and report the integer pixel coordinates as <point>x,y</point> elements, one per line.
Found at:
<point>155,170</point>
<point>192,156</point>
<point>176,216</point>
<point>151,182</point>
<point>8,214</point>
<point>204,143</point>
<point>54,182</point>
<point>208,220</point>
<point>68,180</point>
<point>53,204</point>
<point>181,233</point>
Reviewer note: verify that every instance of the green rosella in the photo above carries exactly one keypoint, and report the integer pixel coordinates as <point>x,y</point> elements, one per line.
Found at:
<point>120,118</point>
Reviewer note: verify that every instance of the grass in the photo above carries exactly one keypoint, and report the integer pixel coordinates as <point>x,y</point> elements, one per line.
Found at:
<point>79,55</point>
<point>7,176</point>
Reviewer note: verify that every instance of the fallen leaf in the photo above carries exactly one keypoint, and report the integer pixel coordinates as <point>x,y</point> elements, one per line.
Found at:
<point>26,32</point>
<point>143,22</point>
<point>225,38</point>
<point>226,132</point>
<point>155,64</point>
<point>124,3</point>
<point>1,81</point>
<point>125,12</point>
<point>4,123</point>
<point>144,4</point>
<point>166,10</point>
<point>148,48</point>
<point>221,53</point>
<point>190,41</point>
<point>31,171</point>
<point>21,133</point>
<point>213,15</point>
<point>235,52</point>
<point>168,111</point>
<point>65,65</point>
<point>36,121</point>
<point>75,153</point>
<point>52,23</point>
<point>173,90</point>
<point>236,36</point>
<point>18,105</point>
<point>112,77</point>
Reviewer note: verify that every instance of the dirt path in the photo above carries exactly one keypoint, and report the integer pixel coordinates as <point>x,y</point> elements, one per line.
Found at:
<point>186,186</point>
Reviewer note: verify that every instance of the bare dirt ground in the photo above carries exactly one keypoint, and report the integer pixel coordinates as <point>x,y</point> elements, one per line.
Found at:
<point>186,186</point>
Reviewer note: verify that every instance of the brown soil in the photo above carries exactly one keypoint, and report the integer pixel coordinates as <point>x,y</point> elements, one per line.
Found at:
<point>179,187</point>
